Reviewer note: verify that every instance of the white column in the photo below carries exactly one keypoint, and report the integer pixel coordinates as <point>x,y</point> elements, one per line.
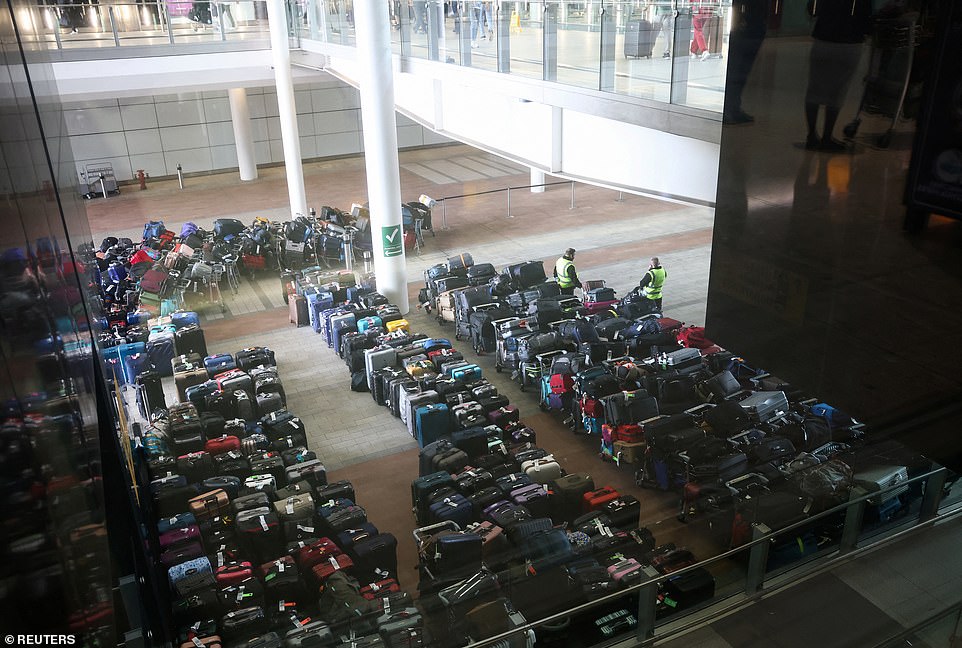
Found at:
<point>376,75</point>
<point>240,118</point>
<point>537,178</point>
<point>281,56</point>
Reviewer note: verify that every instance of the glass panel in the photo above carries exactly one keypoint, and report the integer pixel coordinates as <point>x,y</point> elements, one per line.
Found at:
<point>952,493</point>
<point>710,22</point>
<point>644,32</point>
<point>481,34</point>
<point>579,42</point>
<point>525,38</point>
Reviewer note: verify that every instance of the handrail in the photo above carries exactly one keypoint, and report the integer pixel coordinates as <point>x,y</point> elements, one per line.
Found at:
<point>747,547</point>
<point>444,215</point>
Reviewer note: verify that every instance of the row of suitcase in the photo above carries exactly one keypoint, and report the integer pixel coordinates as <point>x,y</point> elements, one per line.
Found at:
<point>298,528</point>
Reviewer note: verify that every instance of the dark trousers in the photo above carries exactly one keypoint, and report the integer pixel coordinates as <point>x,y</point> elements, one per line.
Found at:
<point>569,291</point>
<point>654,305</point>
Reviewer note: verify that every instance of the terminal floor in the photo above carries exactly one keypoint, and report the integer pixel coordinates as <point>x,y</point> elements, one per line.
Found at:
<point>361,441</point>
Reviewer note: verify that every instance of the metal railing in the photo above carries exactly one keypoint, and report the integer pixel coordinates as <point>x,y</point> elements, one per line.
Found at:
<point>652,50</point>
<point>667,50</point>
<point>753,558</point>
<point>506,190</point>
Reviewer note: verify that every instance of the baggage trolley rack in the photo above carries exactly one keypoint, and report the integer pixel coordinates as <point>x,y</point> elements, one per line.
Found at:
<point>423,534</point>
<point>500,351</point>
<point>889,73</point>
<point>531,371</point>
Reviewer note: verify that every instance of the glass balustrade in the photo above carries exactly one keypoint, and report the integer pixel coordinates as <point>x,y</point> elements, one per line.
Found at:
<point>761,560</point>
<point>664,50</point>
<point>136,24</point>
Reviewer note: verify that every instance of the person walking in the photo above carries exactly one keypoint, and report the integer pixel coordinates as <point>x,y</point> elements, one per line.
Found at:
<point>566,274</point>
<point>651,284</point>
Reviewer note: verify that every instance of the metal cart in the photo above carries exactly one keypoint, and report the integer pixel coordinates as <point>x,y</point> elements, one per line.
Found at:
<point>889,71</point>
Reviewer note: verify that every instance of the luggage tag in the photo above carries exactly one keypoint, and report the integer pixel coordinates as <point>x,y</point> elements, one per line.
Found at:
<point>289,506</point>
<point>263,524</point>
<point>197,642</point>
<point>334,563</point>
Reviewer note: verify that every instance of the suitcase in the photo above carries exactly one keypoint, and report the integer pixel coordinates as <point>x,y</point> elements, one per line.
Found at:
<point>458,265</point>
<point>473,441</point>
<point>526,274</point>
<point>297,311</point>
<point>247,359</point>
<point>219,363</point>
<point>432,421</point>
<point>190,339</point>
<point>375,558</point>
<point>639,39</point>
<point>630,452</point>
<point>762,407</point>
<point>594,500</point>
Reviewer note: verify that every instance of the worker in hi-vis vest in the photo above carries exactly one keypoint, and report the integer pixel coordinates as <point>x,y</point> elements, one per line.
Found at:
<point>566,274</point>
<point>651,284</point>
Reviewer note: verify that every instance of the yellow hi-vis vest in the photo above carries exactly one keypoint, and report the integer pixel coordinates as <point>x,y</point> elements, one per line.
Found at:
<point>653,289</point>
<point>561,269</point>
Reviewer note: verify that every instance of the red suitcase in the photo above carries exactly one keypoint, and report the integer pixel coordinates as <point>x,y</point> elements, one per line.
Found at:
<point>316,553</point>
<point>323,570</point>
<point>222,444</point>
<point>629,433</point>
<point>233,573</point>
<point>594,500</point>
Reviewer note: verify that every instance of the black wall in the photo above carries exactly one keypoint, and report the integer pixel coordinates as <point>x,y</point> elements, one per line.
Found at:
<point>812,276</point>
<point>55,568</point>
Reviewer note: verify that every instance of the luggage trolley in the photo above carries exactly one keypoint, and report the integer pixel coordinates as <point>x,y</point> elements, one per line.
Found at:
<point>501,359</point>
<point>532,371</point>
<point>889,72</point>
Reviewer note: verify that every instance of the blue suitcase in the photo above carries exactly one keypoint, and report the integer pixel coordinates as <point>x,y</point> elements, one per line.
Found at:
<point>326,330</point>
<point>366,323</point>
<point>219,363</point>
<point>122,351</point>
<point>137,318</point>
<point>160,351</point>
<point>180,319</point>
<point>457,509</point>
<point>134,365</point>
<point>431,423</point>
<point>467,374</point>
<point>316,304</point>
<point>341,324</point>
<point>435,344</point>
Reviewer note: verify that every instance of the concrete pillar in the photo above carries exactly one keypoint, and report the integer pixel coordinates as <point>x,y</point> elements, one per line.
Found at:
<point>281,56</point>
<point>376,76</point>
<point>240,118</point>
<point>537,178</point>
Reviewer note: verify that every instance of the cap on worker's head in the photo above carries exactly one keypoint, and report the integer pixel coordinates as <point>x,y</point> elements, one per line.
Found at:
<point>570,253</point>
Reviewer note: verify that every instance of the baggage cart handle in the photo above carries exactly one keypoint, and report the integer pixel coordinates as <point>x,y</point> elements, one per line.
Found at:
<point>422,532</point>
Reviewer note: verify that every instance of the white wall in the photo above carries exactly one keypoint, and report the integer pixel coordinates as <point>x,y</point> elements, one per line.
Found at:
<point>193,129</point>
<point>529,122</point>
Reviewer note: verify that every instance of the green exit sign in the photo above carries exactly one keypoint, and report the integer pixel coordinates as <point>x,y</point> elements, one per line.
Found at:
<point>392,239</point>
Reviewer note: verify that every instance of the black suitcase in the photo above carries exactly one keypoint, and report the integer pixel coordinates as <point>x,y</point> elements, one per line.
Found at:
<point>639,39</point>
<point>375,558</point>
<point>190,339</point>
<point>527,274</point>
<point>151,393</point>
<point>689,589</point>
<point>251,357</point>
